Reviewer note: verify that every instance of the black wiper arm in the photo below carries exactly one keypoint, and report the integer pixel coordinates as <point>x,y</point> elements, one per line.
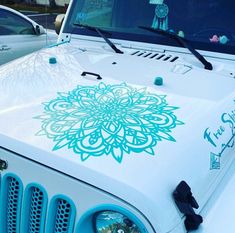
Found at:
<point>102,34</point>
<point>183,42</point>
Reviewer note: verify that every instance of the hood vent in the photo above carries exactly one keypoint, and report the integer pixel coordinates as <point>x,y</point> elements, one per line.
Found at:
<point>155,56</point>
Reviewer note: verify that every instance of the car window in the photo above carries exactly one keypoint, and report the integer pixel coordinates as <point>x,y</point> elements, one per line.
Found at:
<point>12,24</point>
<point>209,25</point>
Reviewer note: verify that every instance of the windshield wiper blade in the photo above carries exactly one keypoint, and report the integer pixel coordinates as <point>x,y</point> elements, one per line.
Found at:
<point>101,33</point>
<point>183,42</point>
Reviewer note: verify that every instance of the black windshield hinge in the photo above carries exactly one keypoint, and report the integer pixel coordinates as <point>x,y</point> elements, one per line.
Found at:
<point>186,203</point>
<point>3,165</point>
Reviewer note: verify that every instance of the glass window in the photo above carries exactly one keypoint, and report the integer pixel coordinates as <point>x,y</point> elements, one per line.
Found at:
<point>95,12</point>
<point>209,24</point>
<point>12,24</point>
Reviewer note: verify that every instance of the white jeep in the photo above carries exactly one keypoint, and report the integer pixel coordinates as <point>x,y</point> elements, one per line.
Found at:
<point>127,125</point>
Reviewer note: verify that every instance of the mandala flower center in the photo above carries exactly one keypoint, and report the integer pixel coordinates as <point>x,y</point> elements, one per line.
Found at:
<point>110,112</point>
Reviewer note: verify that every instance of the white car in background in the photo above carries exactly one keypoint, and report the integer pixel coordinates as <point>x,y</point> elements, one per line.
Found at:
<point>20,35</point>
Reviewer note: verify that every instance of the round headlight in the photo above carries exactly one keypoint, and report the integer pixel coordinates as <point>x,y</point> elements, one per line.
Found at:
<point>114,222</point>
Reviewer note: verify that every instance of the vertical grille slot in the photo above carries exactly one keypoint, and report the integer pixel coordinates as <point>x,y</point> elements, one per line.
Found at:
<point>61,215</point>
<point>35,210</point>
<point>12,202</point>
<point>11,197</point>
<point>35,203</point>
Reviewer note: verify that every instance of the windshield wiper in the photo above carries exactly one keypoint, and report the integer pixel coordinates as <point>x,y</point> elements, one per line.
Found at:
<point>183,42</point>
<point>101,33</point>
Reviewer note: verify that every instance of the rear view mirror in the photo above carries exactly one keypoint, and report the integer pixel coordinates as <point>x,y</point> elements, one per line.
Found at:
<point>58,22</point>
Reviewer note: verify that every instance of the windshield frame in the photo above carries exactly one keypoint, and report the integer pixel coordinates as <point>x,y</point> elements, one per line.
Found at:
<point>151,38</point>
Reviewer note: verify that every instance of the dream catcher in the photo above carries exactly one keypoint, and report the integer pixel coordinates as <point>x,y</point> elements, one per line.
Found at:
<point>160,20</point>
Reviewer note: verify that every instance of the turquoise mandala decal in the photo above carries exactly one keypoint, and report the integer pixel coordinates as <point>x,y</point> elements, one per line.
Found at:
<point>108,120</point>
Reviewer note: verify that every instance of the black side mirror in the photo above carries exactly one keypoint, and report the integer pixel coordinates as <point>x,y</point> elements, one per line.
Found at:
<point>37,30</point>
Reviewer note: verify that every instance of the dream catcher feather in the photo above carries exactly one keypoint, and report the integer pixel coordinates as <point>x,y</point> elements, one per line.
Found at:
<point>160,20</point>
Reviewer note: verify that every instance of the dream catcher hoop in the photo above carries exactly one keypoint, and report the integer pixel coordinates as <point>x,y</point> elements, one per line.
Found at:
<point>160,20</point>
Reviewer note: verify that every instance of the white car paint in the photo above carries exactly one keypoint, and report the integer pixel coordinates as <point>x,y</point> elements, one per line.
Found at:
<point>17,45</point>
<point>128,184</point>
<point>206,101</point>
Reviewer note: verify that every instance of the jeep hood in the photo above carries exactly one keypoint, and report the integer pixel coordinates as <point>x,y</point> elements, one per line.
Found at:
<point>42,95</point>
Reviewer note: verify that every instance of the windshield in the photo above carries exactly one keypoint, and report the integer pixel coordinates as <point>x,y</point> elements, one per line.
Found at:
<point>208,24</point>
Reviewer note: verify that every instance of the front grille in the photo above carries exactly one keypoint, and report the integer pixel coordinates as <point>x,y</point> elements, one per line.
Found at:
<point>33,215</point>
